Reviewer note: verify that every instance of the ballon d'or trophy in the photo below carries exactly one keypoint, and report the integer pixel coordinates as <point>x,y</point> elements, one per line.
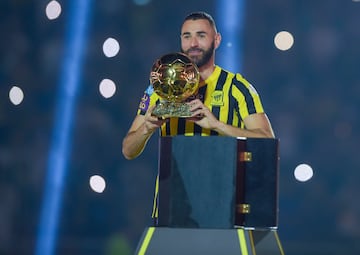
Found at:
<point>174,77</point>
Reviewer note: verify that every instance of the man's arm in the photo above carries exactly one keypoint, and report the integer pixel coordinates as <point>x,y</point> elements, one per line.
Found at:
<point>139,133</point>
<point>257,125</point>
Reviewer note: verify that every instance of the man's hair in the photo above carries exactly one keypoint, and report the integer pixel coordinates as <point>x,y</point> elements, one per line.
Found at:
<point>201,15</point>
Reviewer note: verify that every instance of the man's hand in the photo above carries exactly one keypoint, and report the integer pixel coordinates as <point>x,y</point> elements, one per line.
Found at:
<point>139,133</point>
<point>151,122</point>
<point>202,115</point>
<point>256,125</point>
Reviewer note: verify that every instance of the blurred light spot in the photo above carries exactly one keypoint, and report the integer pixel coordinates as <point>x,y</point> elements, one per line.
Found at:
<point>16,95</point>
<point>283,40</point>
<point>111,47</point>
<point>142,2</point>
<point>107,88</point>
<point>229,44</point>
<point>303,172</point>
<point>53,10</point>
<point>97,183</point>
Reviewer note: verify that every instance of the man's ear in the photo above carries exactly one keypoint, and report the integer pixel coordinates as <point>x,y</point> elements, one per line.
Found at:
<point>217,40</point>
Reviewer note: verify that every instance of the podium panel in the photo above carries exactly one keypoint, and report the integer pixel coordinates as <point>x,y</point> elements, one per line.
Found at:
<point>197,182</point>
<point>180,241</point>
<point>217,182</point>
<point>257,183</point>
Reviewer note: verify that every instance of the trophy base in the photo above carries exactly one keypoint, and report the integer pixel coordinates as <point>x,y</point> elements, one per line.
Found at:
<point>172,109</point>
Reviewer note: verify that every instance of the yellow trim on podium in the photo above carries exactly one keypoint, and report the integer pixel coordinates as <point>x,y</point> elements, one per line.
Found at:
<point>279,243</point>
<point>242,241</point>
<point>147,240</point>
<point>152,244</point>
<point>252,244</point>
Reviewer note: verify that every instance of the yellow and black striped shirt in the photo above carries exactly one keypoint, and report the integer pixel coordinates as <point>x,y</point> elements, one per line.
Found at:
<point>230,97</point>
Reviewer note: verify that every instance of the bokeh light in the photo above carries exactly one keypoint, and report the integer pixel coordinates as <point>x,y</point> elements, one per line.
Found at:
<point>303,172</point>
<point>53,10</point>
<point>111,47</point>
<point>284,40</point>
<point>97,183</point>
<point>107,88</point>
<point>16,95</point>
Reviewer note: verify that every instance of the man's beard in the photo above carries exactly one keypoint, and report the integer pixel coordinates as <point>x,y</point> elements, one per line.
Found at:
<point>201,60</point>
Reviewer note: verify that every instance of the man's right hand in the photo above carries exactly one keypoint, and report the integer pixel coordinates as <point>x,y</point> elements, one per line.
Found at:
<point>139,133</point>
<point>152,122</point>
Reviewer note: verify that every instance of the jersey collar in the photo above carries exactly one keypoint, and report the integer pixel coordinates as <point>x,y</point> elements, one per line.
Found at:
<point>213,77</point>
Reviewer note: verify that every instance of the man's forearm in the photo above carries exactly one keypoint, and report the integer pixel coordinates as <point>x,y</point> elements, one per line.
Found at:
<point>227,130</point>
<point>134,143</point>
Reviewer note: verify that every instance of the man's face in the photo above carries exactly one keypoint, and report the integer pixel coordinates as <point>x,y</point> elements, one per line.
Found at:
<point>198,40</point>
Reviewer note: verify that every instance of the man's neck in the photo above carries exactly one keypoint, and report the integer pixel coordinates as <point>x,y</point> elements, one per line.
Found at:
<point>206,70</point>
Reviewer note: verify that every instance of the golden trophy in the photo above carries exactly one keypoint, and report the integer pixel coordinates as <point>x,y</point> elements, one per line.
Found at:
<point>174,77</point>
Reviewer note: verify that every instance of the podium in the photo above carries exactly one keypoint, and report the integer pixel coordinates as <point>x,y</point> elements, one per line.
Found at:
<point>180,241</point>
<point>216,195</point>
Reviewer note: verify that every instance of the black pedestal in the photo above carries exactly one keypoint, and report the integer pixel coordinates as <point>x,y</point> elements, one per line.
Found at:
<point>218,182</point>
<point>217,195</point>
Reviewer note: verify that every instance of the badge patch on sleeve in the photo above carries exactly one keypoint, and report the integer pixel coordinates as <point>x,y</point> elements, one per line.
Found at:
<point>144,103</point>
<point>145,100</point>
<point>217,98</point>
<point>149,90</point>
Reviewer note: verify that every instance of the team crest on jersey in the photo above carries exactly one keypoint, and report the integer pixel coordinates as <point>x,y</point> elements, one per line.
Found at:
<point>217,98</point>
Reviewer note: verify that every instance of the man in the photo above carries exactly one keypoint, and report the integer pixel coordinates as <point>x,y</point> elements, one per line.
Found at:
<point>226,104</point>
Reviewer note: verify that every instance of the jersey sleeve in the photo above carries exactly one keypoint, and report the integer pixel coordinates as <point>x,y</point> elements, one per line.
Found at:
<point>148,99</point>
<point>247,97</point>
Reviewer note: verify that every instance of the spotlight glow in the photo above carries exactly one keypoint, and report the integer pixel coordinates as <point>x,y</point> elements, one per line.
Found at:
<point>60,149</point>
<point>283,40</point>
<point>303,172</point>
<point>16,95</point>
<point>111,47</point>
<point>229,45</point>
<point>97,183</point>
<point>53,10</point>
<point>231,56</point>
<point>107,88</point>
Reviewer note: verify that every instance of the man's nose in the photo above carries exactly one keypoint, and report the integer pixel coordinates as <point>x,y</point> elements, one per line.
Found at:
<point>194,42</point>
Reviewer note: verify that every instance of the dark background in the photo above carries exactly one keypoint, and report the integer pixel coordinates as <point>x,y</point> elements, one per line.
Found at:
<point>310,93</point>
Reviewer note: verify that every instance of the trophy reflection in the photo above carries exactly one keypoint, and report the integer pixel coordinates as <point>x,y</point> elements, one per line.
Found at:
<point>174,77</point>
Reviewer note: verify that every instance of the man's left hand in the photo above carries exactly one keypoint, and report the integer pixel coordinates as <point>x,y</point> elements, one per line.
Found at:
<point>202,115</point>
